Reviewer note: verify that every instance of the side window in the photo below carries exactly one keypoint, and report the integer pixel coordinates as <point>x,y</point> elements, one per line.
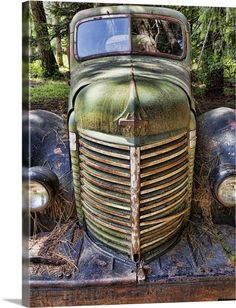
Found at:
<point>169,38</point>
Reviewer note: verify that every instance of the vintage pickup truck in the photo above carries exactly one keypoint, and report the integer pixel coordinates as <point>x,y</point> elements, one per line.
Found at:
<point>139,236</point>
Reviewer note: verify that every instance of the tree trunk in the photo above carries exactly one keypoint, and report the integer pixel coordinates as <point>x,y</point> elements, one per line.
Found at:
<point>49,64</point>
<point>59,52</point>
<point>215,43</point>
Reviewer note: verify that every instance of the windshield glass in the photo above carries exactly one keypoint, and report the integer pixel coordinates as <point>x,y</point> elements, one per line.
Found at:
<point>116,35</point>
<point>157,36</point>
<point>101,36</point>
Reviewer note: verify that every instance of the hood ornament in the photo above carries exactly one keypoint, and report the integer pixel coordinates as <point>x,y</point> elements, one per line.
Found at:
<point>133,120</point>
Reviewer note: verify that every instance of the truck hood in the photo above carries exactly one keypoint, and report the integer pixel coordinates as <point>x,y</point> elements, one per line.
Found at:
<point>131,106</point>
<point>121,68</point>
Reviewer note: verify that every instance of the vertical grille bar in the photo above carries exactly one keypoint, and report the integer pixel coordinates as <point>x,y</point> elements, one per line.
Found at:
<point>135,201</point>
<point>75,166</point>
<point>191,155</point>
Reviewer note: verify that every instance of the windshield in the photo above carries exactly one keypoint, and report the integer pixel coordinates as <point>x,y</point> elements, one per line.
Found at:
<point>124,35</point>
<point>103,36</point>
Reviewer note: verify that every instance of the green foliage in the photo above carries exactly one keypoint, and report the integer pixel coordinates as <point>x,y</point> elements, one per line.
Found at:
<point>212,34</point>
<point>229,67</point>
<point>63,12</point>
<point>47,57</point>
<point>50,90</point>
<point>35,69</point>
<point>213,45</point>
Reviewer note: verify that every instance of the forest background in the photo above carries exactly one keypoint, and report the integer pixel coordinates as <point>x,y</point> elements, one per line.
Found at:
<point>213,53</point>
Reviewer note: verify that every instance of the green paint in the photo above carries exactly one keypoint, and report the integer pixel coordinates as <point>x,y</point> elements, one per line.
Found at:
<point>164,105</point>
<point>131,100</point>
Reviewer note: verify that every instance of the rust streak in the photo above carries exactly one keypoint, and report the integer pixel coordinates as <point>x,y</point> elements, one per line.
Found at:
<point>135,201</point>
<point>114,145</point>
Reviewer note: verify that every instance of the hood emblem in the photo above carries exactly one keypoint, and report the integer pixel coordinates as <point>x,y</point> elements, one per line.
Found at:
<point>133,119</point>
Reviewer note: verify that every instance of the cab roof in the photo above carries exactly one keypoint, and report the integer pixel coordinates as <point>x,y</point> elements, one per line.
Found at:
<point>126,9</point>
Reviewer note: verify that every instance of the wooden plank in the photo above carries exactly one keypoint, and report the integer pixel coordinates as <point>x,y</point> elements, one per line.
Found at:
<point>216,288</point>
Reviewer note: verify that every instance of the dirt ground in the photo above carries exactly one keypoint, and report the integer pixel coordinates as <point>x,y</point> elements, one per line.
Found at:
<point>59,107</point>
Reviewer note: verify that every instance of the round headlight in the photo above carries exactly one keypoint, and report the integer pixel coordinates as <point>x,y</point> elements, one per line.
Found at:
<point>40,187</point>
<point>226,191</point>
<point>38,196</point>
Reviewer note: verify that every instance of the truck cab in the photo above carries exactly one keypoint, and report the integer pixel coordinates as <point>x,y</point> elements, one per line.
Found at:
<point>132,127</point>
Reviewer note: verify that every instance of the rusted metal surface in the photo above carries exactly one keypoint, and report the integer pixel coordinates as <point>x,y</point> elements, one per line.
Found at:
<point>75,166</point>
<point>162,204</point>
<point>191,157</point>
<point>135,202</point>
<point>105,186</point>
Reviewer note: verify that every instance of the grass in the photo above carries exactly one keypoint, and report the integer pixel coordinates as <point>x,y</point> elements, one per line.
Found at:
<point>41,91</point>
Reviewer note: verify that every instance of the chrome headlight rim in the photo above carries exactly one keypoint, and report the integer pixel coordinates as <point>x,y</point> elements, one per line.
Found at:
<point>221,186</point>
<point>32,195</point>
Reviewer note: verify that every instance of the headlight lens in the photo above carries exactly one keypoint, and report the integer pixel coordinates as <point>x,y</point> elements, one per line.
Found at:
<point>38,196</point>
<point>227,191</point>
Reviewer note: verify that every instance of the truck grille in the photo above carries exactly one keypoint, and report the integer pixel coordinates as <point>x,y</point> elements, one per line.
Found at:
<point>105,191</point>
<point>164,186</point>
<point>133,198</point>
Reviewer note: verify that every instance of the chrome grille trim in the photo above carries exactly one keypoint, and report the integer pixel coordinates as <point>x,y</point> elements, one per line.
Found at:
<point>164,187</point>
<point>171,206</point>
<point>104,201</point>
<point>164,184</point>
<point>101,158</point>
<point>104,237</point>
<point>163,235</point>
<point>159,160</point>
<point>105,192</point>
<point>104,176</point>
<point>157,228</point>
<point>135,202</point>
<point>165,175</point>
<point>108,144</point>
<point>164,150</point>
<point>164,167</point>
<point>162,142</point>
<point>164,194</point>
<point>104,223</point>
<point>103,167</point>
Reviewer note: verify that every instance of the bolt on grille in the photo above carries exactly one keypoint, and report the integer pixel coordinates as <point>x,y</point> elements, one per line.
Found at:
<point>134,198</point>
